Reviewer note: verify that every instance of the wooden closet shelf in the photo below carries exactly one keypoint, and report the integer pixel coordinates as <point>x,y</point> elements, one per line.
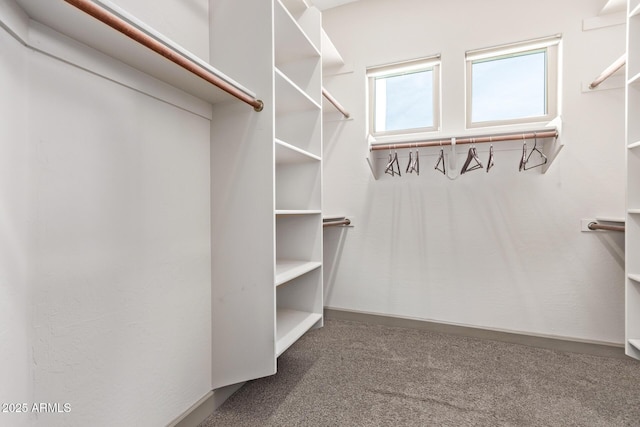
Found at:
<point>291,42</point>
<point>290,97</point>
<point>287,153</point>
<point>291,325</point>
<point>287,269</point>
<point>297,212</point>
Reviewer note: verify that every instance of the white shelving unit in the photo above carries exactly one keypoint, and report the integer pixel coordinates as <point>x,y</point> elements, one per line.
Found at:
<point>632,233</point>
<point>298,167</point>
<point>266,180</point>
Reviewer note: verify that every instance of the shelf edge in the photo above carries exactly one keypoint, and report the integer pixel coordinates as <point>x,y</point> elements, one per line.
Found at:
<point>297,88</point>
<point>634,277</point>
<point>297,150</point>
<point>297,271</point>
<point>298,212</point>
<point>291,336</point>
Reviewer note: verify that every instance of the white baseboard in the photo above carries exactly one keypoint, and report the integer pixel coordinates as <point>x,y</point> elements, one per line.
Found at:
<point>602,349</point>
<point>204,407</point>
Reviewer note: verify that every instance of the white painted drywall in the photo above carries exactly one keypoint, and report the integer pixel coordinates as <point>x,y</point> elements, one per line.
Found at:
<point>500,250</point>
<point>122,279</point>
<point>105,284</point>
<point>16,244</point>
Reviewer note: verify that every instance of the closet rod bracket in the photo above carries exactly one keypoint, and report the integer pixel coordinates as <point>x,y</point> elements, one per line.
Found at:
<point>592,224</point>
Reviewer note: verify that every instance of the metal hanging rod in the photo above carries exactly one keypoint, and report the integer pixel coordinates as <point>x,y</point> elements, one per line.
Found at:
<point>608,72</point>
<point>140,36</point>
<point>596,226</point>
<point>345,221</point>
<point>469,140</point>
<point>335,103</point>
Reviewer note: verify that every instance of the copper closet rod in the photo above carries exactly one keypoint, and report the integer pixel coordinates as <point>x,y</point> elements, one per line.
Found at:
<point>461,141</point>
<point>596,226</point>
<point>335,103</point>
<point>608,72</point>
<point>144,39</point>
<point>345,221</point>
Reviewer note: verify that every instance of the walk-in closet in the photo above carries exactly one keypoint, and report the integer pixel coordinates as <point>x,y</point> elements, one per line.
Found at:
<point>319,213</point>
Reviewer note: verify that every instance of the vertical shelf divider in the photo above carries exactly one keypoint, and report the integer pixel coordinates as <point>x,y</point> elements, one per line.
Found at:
<point>242,203</point>
<point>632,136</point>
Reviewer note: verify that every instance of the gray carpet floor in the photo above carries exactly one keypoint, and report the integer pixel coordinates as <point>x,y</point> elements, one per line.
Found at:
<point>356,374</point>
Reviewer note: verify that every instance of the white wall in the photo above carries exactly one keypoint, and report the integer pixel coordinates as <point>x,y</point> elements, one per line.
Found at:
<point>16,244</point>
<point>501,250</point>
<point>105,284</point>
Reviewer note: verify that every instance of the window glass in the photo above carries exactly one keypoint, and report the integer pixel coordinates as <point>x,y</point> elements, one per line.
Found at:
<point>513,84</point>
<point>404,97</point>
<point>509,88</point>
<point>404,101</point>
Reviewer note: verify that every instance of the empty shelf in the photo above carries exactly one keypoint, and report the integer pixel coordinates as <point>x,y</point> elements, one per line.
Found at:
<point>297,212</point>
<point>287,153</point>
<point>290,98</point>
<point>635,343</point>
<point>287,269</point>
<point>291,42</point>
<point>635,277</point>
<point>291,325</point>
<point>634,80</point>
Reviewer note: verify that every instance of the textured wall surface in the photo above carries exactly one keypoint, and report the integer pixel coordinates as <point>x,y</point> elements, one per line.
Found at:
<point>500,250</point>
<point>106,257</point>
<point>16,244</point>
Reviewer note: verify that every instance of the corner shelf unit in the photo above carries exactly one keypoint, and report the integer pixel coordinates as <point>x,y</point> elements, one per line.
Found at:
<point>632,232</point>
<point>267,290</point>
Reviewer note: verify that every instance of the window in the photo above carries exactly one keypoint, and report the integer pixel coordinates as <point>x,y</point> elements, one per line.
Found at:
<point>404,98</point>
<point>517,83</point>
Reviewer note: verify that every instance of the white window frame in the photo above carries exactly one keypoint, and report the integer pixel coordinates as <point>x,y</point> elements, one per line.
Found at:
<point>551,45</point>
<point>431,63</point>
